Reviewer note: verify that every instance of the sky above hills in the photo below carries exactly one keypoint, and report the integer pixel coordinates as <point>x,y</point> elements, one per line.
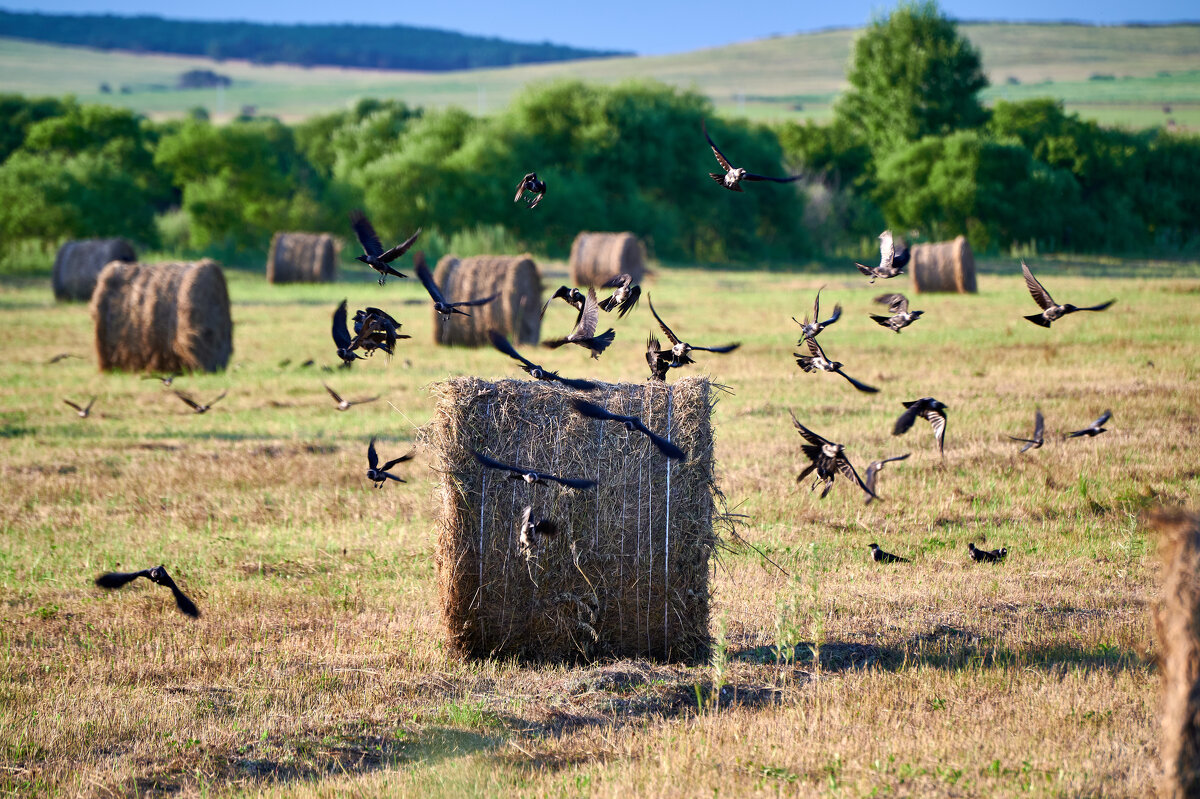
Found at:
<point>634,25</point>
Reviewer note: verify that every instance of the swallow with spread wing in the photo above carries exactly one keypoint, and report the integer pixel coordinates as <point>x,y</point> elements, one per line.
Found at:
<point>827,459</point>
<point>62,356</point>
<point>680,350</point>
<point>624,297</point>
<point>571,296</point>
<point>374,255</point>
<point>376,329</point>
<point>199,407</point>
<point>986,555</point>
<point>891,264</point>
<point>165,379</point>
<point>83,412</point>
<point>440,303</point>
<point>534,370</point>
<point>381,474</point>
<point>1039,427</point>
<point>584,333</point>
<point>732,177</point>
<point>900,317</point>
<point>530,476</point>
<point>818,362</point>
<point>1094,429</point>
<point>345,405</point>
<point>632,423</point>
<point>879,556</point>
<point>341,338</point>
<point>873,470</point>
<point>931,410</point>
<point>1050,309</point>
<point>532,532</point>
<point>157,575</point>
<point>657,359</point>
<point>535,187</point>
<point>813,329</point>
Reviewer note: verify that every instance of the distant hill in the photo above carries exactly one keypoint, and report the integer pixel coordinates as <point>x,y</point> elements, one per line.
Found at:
<point>362,46</point>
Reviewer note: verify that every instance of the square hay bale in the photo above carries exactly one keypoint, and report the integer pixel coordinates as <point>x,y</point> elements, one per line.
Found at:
<point>627,573</point>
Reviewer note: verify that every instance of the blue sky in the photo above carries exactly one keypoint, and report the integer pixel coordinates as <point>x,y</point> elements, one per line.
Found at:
<point>644,27</point>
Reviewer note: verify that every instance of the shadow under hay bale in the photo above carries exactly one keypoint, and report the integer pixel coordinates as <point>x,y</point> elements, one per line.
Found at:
<point>1177,622</point>
<point>302,258</point>
<point>79,263</point>
<point>164,317</point>
<point>627,573</point>
<point>943,266</point>
<point>598,257</point>
<point>516,312</point>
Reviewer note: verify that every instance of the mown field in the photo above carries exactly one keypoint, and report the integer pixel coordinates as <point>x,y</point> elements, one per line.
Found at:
<point>318,668</point>
<point>785,77</point>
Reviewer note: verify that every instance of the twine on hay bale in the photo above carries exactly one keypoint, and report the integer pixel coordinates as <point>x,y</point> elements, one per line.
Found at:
<point>516,312</point>
<point>164,317</point>
<point>79,263</point>
<point>302,258</point>
<point>943,266</point>
<point>598,257</point>
<point>1177,622</point>
<point>627,573</point>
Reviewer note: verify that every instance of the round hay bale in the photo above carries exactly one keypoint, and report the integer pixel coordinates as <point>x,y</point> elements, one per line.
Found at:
<point>79,263</point>
<point>165,317</point>
<point>516,312</point>
<point>943,266</point>
<point>302,258</point>
<point>596,258</point>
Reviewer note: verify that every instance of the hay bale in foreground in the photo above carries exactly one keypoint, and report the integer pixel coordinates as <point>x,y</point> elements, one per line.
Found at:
<point>1177,622</point>
<point>627,573</point>
<point>165,317</point>
<point>598,257</point>
<point>79,263</point>
<point>302,258</point>
<point>516,312</point>
<point>943,266</point>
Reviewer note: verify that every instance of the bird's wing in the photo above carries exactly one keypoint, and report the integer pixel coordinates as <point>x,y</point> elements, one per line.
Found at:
<point>847,469</point>
<point>872,469</point>
<point>666,330</point>
<point>895,458</point>
<point>73,405</point>
<point>897,304</point>
<point>906,419</point>
<point>367,236</point>
<point>589,318</point>
<point>752,176</point>
<point>1040,295</point>
<point>837,314</point>
<point>1099,307</point>
<point>593,411</point>
<point>521,186</point>
<point>494,464</point>
<point>187,399</point>
<point>91,402</point>
<point>887,251</point>
<point>400,249</point>
<point>663,445</point>
<point>341,333</point>
<point>480,301</point>
<point>630,301</point>
<point>866,270</point>
<point>809,435</point>
<point>186,606</point>
<point>816,307</point>
<point>938,420</point>
<point>569,482</point>
<point>863,387</point>
<point>1039,424</point>
<point>814,348</point>
<point>623,279</point>
<point>720,156</point>
<point>578,385</point>
<point>1103,418</point>
<point>501,343</point>
<point>427,281</point>
<point>218,399</point>
<point>118,579</point>
<point>333,394</point>
<point>372,455</point>
<point>407,457</point>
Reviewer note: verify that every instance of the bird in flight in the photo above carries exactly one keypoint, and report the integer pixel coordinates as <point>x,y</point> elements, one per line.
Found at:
<point>381,474</point>
<point>1050,309</point>
<point>534,370</point>
<point>818,362</point>
<point>932,410</point>
<point>873,470</point>
<point>900,317</point>
<point>986,555</point>
<point>680,351</point>
<point>157,575</point>
<point>345,405</point>
<point>199,407</point>
<point>83,412</point>
<point>813,329</point>
<point>571,296</point>
<point>879,556</point>
<point>1094,429</point>
<point>732,177</point>
<point>530,476</point>
<point>827,459</point>
<point>632,423</point>
<point>376,329</point>
<point>584,333</point>
<point>624,297</point>
<point>341,337</point>
<point>63,356</point>
<point>535,187</point>
<point>1039,426</point>
<point>656,360</point>
<point>440,303</point>
<point>891,264</point>
<point>532,532</point>
<point>374,255</point>
<point>165,379</point>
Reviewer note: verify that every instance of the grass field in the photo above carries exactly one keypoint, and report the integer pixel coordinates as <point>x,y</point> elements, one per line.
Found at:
<point>318,667</point>
<point>786,77</point>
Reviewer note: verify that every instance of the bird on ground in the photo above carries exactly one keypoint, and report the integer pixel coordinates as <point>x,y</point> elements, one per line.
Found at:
<point>932,410</point>
<point>879,556</point>
<point>1050,309</point>
<point>1094,429</point>
<point>440,303</point>
<point>381,474</point>
<point>63,356</point>
<point>873,470</point>
<point>157,575</point>
<point>166,380</point>
<point>680,350</point>
<point>530,476</point>
<point>584,333</point>
<point>986,555</point>
<point>828,458</point>
<point>571,296</point>
<point>813,329</point>
<point>889,265</point>
<point>536,371</point>
<point>310,361</point>
<point>83,412</point>
<point>376,329</point>
<point>286,362</point>
<point>532,532</point>
<point>732,177</point>
<point>341,338</point>
<point>900,317</point>
<point>1039,426</point>
<point>625,295</point>
<point>632,423</point>
<point>199,407</point>
<point>374,255</point>
<point>345,405</point>
<point>818,362</point>
<point>655,360</point>
<point>531,184</point>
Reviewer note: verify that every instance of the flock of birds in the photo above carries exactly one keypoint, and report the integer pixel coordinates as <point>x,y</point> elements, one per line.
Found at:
<point>374,329</point>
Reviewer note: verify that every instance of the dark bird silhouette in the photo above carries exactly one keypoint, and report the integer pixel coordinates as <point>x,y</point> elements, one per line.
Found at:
<point>888,265</point>
<point>900,317</point>
<point>681,350</point>
<point>166,380</point>
<point>341,337</point>
<point>381,474</point>
<point>531,184</point>
<point>376,329</point>
<point>655,359</point>
<point>83,412</point>
<point>986,555</point>
<point>157,575</point>
<point>813,329</point>
<point>930,409</point>
<point>584,333</point>
<point>818,362</point>
<point>530,476</point>
<point>1094,429</point>
<point>873,470</point>
<point>827,459</point>
<point>624,297</point>
<point>732,177</point>
<point>534,370</point>
<point>1039,426</point>
<point>572,296</point>
<point>632,423</point>
<point>440,303</point>
<point>310,361</point>
<point>879,556</point>
<point>199,407</point>
<point>345,405</point>
<point>374,255</point>
<point>532,532</point>
<point>1050,309</point>
<point>62,356</point>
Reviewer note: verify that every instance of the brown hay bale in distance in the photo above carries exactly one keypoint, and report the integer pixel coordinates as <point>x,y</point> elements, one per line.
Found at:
<point>516,312</point>
<point>943,266</point>
<point>626,575</point>
<point>165,317</point>
<point>79,263</point>
<point>1177,622</point>
<point>596,258</point>
<point>302,258</point>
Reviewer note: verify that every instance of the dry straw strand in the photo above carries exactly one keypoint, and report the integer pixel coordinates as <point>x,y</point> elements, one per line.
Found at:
<point>302,258</point>
<point>515,313</point>
<point>598,257</point>
<point>943,266</point>
<point>79,263</point>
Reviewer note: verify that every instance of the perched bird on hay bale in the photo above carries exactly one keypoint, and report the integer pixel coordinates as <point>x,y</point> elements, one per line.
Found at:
<point>598,258</point>
<point>514,282</point>
<point>157,575</point>
<point>302,258</point>
<point>78,265</point>
<point>1050,309</point>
